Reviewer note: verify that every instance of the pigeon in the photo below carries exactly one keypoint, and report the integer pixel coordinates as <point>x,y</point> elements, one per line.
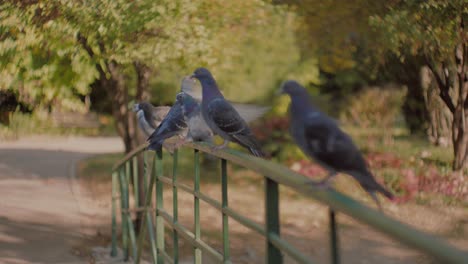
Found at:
<point>222,117</point>
<point>318,136</point>
<point>172,125</point>
<point>149,117</point>
<point>198,130</point>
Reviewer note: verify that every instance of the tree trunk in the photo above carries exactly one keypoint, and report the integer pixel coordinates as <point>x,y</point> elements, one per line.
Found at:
<point>124,119</point>
<point>460,138</point>
<point>460,118</point>
<point>440,118</point>
<point>143,73</point>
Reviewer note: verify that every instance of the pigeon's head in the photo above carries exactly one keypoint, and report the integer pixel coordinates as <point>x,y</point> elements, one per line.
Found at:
<point>292,88</point>
<point>136,107</point>
<point>180,97</point>
<point>202,73</point>
<point>188,102</point>
<point>145,106</point>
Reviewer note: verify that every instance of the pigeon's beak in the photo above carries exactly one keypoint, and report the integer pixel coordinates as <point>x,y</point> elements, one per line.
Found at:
<point>192,76</point>
<point>136,107</point>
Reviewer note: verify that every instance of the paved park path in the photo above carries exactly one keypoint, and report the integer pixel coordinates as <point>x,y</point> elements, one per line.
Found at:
<point>42,213</point>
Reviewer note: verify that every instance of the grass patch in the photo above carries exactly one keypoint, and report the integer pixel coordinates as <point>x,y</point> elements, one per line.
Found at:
<point>40,123</point>
<point>98,168</point>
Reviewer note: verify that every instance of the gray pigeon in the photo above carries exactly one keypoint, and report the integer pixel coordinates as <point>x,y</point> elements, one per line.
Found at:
<point>198,130</point>
<point>172,125</point>
<point>149,117</point>
<point>319,136</point>
<point>222,117</point>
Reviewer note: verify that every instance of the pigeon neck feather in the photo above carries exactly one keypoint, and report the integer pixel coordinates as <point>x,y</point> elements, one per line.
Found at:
<point>210,89</point>
<point>301,104</point>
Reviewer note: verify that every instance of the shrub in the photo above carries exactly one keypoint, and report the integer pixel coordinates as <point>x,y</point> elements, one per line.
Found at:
<point>375,107</point>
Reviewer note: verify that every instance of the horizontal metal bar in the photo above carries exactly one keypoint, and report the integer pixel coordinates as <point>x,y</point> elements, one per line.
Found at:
<point>277,241</point>
<point>340,203</point>
<point>217,205</point>
<point>288,248</point>
<point>189,236</point>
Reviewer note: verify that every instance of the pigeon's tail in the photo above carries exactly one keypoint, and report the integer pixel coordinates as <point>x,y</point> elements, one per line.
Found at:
<point>371,185</point>
<point>257,152</point>
<point>155,141</point>
<point>384,191</point>
<point>368,182</point>
<point>248,141</point>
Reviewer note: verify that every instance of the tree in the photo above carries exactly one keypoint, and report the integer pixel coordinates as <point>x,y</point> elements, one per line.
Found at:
<point>39,59</point>
<point>435,30</point>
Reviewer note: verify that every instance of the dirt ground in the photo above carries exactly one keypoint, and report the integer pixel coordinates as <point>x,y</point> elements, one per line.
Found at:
<point>45,216</point>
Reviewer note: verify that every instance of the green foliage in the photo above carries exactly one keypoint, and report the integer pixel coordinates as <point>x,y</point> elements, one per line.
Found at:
<point>337,33</point>
<point>256,49</point>
<point>252,49</point>
<point>39,57</point>
<point>51,51</point>
<point>415,27</point>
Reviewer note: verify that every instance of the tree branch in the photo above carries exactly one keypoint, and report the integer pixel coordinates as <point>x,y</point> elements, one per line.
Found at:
<point>84,43</point>
<point>443,87</point>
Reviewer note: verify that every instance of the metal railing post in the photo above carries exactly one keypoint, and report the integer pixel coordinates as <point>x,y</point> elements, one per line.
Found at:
<point>145,170</point>
<point>273,255</point>
<point>198,253</point>
<point>124,208</point>
<point>128,215</point>
<point>147,220</point>
<point>224,204</point>
<point>158,159</point>
<point>175,210</point>
<point>114,213</point>
<point>135,181</point>
<point>334,246</point>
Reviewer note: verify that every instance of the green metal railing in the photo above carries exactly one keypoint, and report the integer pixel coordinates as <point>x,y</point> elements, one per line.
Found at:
<point>274,174</point>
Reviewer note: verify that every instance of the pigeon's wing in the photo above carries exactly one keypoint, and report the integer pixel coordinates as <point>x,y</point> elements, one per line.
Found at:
<point>331,146</point>
<point>173,124</point>
<point>225,117</point>
<point>250,112</point>
<point>231,123</point>
<point>191,87</point>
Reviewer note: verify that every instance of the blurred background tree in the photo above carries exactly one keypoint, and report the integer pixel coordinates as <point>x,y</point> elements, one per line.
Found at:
<point>435,31</point>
